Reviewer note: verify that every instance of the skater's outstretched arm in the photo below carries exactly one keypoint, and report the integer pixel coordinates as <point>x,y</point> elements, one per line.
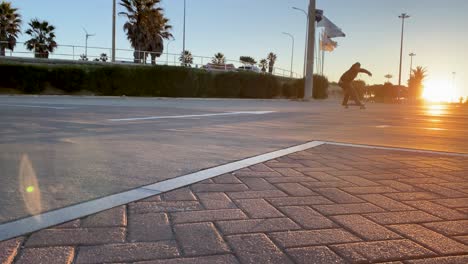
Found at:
<point>365,71</point>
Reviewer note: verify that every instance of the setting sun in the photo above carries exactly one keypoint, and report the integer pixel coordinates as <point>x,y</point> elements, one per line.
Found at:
<point>439,91</point>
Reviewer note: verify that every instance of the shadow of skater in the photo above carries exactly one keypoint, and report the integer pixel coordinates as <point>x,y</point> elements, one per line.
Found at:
<point>346,82</point>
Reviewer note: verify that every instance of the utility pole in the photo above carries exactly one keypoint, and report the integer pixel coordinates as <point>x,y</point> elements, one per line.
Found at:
<point>403,17</point>
<point>113,29</point>
<point>309,79</point>
<point>412,54</point>
<point>185,9</point>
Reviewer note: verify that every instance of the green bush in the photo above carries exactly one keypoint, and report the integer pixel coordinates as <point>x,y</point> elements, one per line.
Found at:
<point>163,81</point>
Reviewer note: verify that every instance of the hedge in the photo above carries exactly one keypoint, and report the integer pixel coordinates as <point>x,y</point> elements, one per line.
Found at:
<point>160,81</point>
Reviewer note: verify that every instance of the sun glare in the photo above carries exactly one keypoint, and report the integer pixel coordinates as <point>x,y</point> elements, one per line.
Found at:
<point>439,91</point>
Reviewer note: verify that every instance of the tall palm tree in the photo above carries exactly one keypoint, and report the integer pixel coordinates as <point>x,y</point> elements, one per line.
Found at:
<point>146,27</point>
<point>186,58</point>
<point>271,61</point>
<point>219,59</point>
<point>42,40</point>
<point>10,26</point>
<point>263,64</point>
<point>416,81</point>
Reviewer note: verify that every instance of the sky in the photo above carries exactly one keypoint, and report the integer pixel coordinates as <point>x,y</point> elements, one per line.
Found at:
<point>435,32</point>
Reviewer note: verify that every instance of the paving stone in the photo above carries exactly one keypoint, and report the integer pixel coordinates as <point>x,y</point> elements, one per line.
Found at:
<point>328,184</point>
<point>183,194</point>
<point>200,239</point>
<point>256,194</point>
<point>9,249</point>
<point>260,167</point>
<point>365,228</point>
<point>256,226</point>
<point>449,228</point>
<point>219,187</point>
<point>156,198</point>
<point>226,178</point>
<point>443,191</point>
<point>130,252</point>
<point>149,228</point>
<point>258,184</point>
<point>381,251</point>
<point>441,260</point>
<point>307,217</point>
<point>290,179</point>
<point>79,236</point>
<point>115,217</point>
<point>261,174</point>
<point>337,209</point>
<point>72,224</point>
<point>216,200</point>
<point>159,207</point>
<point>385,202</point>
<point>430,239</point>
<point>288,172</point>
<point>338,196</point>
<point>258,208</point>
<point>402,187</point>
<point>304,238</point>
<point>437,210</point>
<point>402,217</point>
<point>359,181</point>
<point>453,203</point>
<point>216,259</point>
<point>295,189</point>
<point>368,190</point>
<point>51,255</point>
<point>285,165</point>
<point>322,176</point>
<point>207,216</point>
<point>462,239</point>
<point>257,248</point>
<point>314,255</point>
<point>411,196</point>
<point>423,180</point>
<point>307,200</point>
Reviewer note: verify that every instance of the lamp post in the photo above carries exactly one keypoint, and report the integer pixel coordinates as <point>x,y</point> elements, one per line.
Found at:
<point>412,54</point>
<point>113,29</point>
<point>292,52</point>
<point>86,42</point>
<point>167,50</point>
<point>309,79</point>
<point>185,8</point>
<point>307,33</point>
<point>403,17</point>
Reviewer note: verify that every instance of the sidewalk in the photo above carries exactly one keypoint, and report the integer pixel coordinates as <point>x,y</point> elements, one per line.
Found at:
<point>329,204</point>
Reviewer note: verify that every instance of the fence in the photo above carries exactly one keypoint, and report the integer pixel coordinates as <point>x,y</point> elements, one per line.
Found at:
<point>75,52</point>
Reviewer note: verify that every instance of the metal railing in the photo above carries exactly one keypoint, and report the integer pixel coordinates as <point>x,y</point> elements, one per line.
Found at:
<point>75,52</point>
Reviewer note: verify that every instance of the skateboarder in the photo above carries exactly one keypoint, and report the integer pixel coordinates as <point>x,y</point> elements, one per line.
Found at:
<point>346,82</point>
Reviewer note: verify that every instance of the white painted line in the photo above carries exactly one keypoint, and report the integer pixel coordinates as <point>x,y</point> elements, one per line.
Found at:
<point>38,106</point>
<point>454,154</point>
<point>192,116</point>
<point>188,179</point>
<point>63,215</point>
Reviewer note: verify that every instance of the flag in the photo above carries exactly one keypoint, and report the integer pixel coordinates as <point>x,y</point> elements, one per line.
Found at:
<point>327,44</point>
<point>331,30</point>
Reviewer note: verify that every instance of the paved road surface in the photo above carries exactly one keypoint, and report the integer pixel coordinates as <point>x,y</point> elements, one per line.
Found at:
<point>73,149</point>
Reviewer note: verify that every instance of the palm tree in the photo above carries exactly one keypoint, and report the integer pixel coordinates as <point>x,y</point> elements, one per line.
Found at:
<point>42,40</point>
<point>271,61</point>
<point>247,60</point>
<point>263,64</point>
<point>103,57</point>
<point>10,27</point>
<point>219,59</point>
<point>388,76</point>
<point>186,58</point>
<point>146,27</point>
<point>415,83</point>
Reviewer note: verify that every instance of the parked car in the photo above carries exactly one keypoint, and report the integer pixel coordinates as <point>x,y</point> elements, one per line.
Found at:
<point>251,68</point>
<point>219,67</point>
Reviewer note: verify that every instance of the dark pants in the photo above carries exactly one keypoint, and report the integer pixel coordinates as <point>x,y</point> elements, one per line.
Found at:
<point>350,91</point>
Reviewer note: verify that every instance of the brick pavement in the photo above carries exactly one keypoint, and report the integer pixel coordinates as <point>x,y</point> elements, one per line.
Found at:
<point>328,204</point>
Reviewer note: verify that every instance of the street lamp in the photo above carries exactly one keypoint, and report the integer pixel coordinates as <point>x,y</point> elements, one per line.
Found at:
<point>86,42</point>
<point>113,29</point>
<point>412,54</point>
<point>292,52</point>
<point>185,8</point>
<point>307,33</point>
<point>403,17</point>
<point>167,50</point>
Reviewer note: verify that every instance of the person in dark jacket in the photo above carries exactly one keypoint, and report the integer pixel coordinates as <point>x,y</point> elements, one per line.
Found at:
<point>346,82</point>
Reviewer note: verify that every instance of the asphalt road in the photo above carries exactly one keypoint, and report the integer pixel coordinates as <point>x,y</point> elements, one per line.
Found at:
<point>65,150</point>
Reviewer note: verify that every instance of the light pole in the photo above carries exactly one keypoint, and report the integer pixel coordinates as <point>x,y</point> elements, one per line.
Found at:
<point>307,32</point>
<point>167,50</point>
<point>292,52</point>
<point>86,42</point>
<point>412,54</point>
<point>403,17</point>
<point>113,29</point>
<point>185,8</point>
<point>309,79</point>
